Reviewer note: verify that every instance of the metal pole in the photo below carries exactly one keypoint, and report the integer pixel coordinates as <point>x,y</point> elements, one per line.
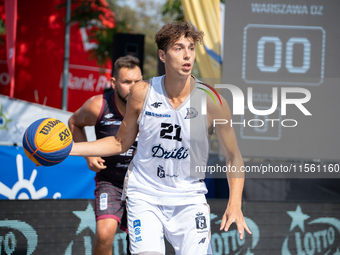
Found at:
<point>66,54</point>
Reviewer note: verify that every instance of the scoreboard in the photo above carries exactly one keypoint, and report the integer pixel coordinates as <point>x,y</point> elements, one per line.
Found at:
<point>285,53</point>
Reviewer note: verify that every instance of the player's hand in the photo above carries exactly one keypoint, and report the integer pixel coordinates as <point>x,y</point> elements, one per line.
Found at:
<point>95,163</point>
<point>234,214</point>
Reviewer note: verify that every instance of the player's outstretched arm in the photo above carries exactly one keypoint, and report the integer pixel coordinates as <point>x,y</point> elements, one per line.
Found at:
<point>227,140</point>
<point>87,115</point>
<point>126,134</point>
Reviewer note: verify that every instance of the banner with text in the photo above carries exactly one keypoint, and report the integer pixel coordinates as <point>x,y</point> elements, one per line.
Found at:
<point>39,58</point>
<point>66,227</point>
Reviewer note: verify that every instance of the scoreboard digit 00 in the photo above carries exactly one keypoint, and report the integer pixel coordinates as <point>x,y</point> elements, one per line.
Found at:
<point>275,46</point>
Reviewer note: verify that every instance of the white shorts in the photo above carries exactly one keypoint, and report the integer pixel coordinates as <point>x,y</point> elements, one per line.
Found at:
<point>186,227</point>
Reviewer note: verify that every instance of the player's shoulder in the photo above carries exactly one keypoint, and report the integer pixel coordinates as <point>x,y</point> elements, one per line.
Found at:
<point>88,113</point>
<point>217,105</point>
<point>94,102</point>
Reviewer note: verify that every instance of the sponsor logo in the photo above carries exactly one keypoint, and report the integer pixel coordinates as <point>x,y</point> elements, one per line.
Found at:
<point>201,222</point>
<point>156,104</point>
<point>64,134</point>
<point>87,222</point>
<point>108,116</point>
<point>191,113</point>
<point>209,93</point>
<point>136,223</point>
<point>178,153</point>
<point>122,165</point>
<point>3,120</point>
<point>153,114</point>
<point>202,241</point>
<point>107,123</point>
<point>10,239</point>
<point>318,236</point>
<point>86,83</point>
<point>24,188</point>
<point>160,172</point>
<point>47,128</point>
<point>103,201</point>
<point>137,230</point>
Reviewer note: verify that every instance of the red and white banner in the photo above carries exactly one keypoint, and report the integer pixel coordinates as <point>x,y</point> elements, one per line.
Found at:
<point>11,32</point>
<point>39,57</point>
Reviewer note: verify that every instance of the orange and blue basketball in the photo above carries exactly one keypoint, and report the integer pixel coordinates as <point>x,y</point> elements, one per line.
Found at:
<point>47,141</point>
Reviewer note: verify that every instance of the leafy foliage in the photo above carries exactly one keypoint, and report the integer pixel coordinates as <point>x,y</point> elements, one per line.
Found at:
<point>98,14</point>
<point>174,9</point>
<point>145,18</point>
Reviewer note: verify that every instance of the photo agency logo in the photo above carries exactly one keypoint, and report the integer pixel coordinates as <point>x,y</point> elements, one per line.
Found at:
<point>204,88</point>
<point>288,96</point>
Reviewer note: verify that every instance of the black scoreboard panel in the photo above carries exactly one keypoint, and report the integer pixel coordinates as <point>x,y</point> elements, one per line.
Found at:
<point>287,51</point>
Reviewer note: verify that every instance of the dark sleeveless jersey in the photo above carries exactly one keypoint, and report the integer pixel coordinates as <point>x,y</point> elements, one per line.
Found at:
<point>108,123</point>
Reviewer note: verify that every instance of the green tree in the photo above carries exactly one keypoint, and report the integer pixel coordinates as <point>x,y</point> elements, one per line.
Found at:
<point>145,19</point>
<point>174,9</point>
<point>99,14</point>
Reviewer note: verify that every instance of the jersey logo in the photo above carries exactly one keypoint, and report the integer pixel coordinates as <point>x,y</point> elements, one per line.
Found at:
<point>202,240</point>
<point>191,113</point>
<point>201,221</point>
<point>103,201</point>
<point>108,116</point>
<point>107,123</point>
<point>153,114</point>
<point>178,153</point>
<point>160,172</point>
<point>137,229</point>
<point>156,104</point>
<point>136,223</point>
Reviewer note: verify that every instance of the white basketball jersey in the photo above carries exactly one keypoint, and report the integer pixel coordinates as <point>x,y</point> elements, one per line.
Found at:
<point>172,145</point>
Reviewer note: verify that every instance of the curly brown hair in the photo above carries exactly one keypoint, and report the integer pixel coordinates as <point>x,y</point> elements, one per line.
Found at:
<point>171,32</point>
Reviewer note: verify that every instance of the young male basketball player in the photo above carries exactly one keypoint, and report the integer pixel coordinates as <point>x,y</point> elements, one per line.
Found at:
<point>105,112</point>
<point>164,196</point>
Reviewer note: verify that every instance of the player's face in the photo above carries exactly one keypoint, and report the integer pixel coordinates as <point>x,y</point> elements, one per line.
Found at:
<point>180,56</point>
<point>125,80</point>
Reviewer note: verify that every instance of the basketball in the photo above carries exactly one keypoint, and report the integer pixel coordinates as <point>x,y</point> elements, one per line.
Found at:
<point>47,142</point>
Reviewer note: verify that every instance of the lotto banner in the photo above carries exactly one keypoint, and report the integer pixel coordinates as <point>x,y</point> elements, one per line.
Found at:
<point>67,227</point>
<point>39,58</point>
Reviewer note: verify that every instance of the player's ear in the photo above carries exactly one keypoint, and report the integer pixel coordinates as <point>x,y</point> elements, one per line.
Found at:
<point>161,55</point>
<point>113,82</point>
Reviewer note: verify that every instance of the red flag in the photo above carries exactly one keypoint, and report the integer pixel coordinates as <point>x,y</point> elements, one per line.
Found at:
<point>11,32</point>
